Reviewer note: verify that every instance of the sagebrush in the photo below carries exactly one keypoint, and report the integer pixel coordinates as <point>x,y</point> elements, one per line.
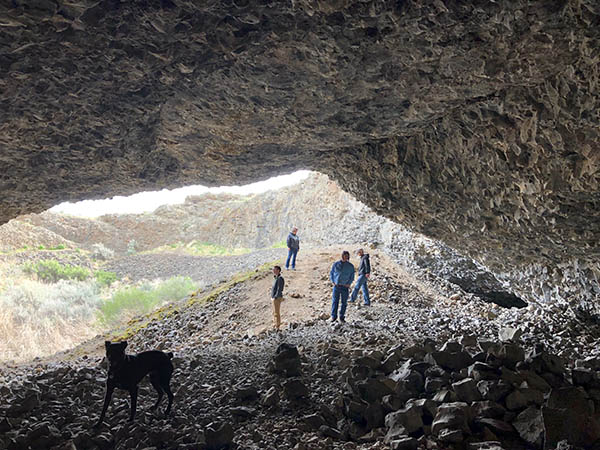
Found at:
<point>101,252</point>
<point>51,271</point>
<point>132,301</point>
<point>39,319</point>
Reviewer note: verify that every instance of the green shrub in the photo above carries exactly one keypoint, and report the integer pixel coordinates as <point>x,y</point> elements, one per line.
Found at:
<point>105,278</point>
<point>175,288</point>
<point>41,247</point>
<point>131,301</point>
<point>51,271</point>
<point>280,244</point>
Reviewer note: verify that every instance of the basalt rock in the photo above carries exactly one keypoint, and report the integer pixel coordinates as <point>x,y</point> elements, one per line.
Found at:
<point>476,123</point>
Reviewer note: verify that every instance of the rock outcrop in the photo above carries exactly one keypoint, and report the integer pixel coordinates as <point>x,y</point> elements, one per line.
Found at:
<point>476,123</point>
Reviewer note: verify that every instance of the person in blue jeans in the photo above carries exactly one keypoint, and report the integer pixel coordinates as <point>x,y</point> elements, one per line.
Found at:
<point>341,275</point>
<point>293,245</point>
<point>364,272</point>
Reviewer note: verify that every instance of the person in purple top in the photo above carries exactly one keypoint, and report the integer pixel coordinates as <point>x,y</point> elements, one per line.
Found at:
<point>364,272</point>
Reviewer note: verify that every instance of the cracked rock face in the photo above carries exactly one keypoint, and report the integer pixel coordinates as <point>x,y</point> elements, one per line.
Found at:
<point>475,123</point>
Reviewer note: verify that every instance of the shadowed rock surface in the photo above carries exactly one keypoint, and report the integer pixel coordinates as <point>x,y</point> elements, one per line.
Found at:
<point>476,123</point>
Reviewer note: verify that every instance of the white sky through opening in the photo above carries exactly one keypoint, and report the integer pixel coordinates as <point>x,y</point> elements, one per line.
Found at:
<point>149,201</point>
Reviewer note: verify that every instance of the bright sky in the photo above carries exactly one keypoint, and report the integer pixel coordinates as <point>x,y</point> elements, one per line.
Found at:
<point>149,201</point>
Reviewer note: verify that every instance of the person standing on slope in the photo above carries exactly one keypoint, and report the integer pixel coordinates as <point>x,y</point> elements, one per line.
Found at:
<point>277,296</point>
<point>341,275</point>
<point>293,245</point>
<point>364,272</point>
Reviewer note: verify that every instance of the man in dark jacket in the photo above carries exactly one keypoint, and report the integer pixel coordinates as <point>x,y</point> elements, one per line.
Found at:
<point>293,245</point>
<point>277,296</point>
<point>364,272</point>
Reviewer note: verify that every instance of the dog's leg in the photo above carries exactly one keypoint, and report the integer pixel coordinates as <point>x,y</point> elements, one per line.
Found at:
<point>165,379</point>
<point>107,396</point>
<point>155,380</point>
<point>133,394</point>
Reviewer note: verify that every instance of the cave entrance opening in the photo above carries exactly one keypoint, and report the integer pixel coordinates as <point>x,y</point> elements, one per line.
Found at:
<point>82,269</point>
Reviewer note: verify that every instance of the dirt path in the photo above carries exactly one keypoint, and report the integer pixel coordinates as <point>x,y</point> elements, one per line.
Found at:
<point>307,293</point>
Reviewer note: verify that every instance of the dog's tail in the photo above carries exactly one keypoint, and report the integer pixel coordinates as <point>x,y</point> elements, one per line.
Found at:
<point>170,355</point>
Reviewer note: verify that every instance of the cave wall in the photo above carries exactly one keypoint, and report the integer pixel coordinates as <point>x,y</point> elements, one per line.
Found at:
<point>477,123</point>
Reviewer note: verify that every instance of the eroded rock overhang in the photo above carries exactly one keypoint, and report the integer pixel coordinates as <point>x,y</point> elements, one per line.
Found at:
<point>477,123</point>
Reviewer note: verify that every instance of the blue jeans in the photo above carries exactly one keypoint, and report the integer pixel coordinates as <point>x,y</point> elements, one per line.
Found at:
<point>292,252</point>
<point>361,283</point>
<point>339,292</point>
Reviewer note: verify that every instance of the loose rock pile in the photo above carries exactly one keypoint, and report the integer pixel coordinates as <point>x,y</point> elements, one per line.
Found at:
<point>415,370</point>
<point>475,393</point>
<point>466,393</point>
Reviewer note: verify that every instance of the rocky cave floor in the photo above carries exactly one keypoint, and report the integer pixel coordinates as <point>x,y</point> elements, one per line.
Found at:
<point>425,366</point>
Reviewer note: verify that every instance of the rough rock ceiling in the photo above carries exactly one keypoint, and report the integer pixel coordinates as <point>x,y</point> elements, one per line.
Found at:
<point>477,122</point>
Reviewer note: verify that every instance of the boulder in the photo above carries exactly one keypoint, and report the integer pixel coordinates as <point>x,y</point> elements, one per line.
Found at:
<point>493,390</point>
<point>466,390</point>
<point>445,396</point>
<point>450,360</point>
<point>218,436</point>
<point>530,426</point>
<point>487,409</point>
<point>522,398</point>
<point>451,416</point>
<point>392,403</point>
<point>428,408</point>
<point>434,384</point>
<point>582,377</point>
<point>534,381</point>
<point>409,418</point>
<point>482,371</point>
<point>287,360</point>
<point>509,334</point>
<point>245,393</point>
<point>510,354</point>
<point>568,415</point>
<point>372,390</point>
<point>545,362</point>
<point>295,390</point>
<point>374,416</point>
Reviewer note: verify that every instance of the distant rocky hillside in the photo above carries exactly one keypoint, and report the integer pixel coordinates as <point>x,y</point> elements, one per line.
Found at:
<point>318,207</point>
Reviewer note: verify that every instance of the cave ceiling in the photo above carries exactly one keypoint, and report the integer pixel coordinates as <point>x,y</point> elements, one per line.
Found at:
<point>477,123</point>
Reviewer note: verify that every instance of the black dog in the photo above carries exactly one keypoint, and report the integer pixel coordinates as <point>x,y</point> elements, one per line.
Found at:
<point>126,371</point>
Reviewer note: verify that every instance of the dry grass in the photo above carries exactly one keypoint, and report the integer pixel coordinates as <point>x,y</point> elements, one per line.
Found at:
<point>24,341</point>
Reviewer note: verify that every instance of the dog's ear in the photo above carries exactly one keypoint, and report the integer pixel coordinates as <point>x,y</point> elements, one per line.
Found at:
<point>106,344</point>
